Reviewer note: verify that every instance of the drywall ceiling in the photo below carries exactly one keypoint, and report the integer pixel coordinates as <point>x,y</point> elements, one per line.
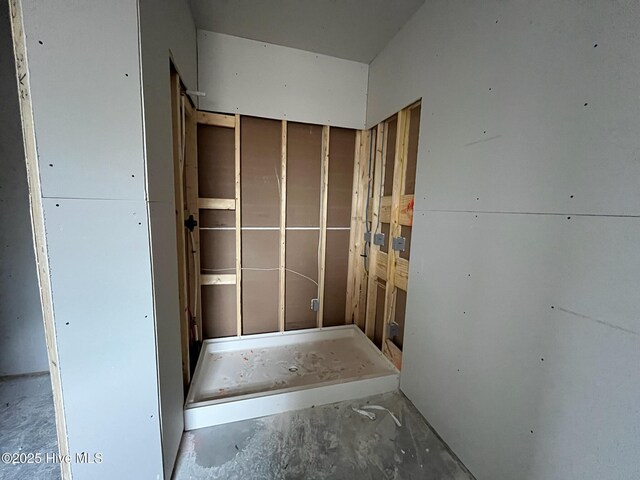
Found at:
<point>351,29</point>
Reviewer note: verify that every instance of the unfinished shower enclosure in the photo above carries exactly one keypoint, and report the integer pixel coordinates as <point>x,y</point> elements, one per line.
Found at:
<point>293,253</point>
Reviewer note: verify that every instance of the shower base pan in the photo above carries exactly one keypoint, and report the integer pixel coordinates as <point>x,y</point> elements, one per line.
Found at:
<point>253,376</point>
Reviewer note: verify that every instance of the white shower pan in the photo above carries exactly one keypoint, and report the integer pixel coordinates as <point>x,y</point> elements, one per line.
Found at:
<point>248,377</point>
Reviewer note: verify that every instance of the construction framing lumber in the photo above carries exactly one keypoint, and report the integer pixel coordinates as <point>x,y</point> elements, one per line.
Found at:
<point>217,203</point>
<point>374,250</point>
<point>238,230</point>
<point>324,194</point>
<point>356,293</point>
<point>223,279</point>
<point>216,119</point>
<point>283,226</point>
<point>399,172</point>
<point>405,216</point>
<point>179,154</point>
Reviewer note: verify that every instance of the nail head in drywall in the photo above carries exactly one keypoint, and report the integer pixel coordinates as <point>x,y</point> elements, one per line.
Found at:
<point>40,42</point>
<point>595,46</point>
<point>585,104</point>
<point>51,164</point>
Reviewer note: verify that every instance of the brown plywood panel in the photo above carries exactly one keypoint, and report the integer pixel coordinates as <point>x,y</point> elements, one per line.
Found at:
<point>260,250</point>
<point>405,231</point>
<point>301,257</point>
<point>217,218</point>
<point>342,144</point>
<point>412,151</point>
<point>304,165</point>
<point>379,325</point>
<point>216,164</point>
<point>401,305</point>
<point>260,171</point>
<point>392,126</point>
<point>218,311</point>
<point>217,251</point>
<point>335,286</point>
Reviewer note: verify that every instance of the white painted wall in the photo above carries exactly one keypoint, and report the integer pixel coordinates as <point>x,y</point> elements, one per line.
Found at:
<point>523,322</point>
<point>265,80</point>
<point>22,347</point>
<point>167,31</point>
<point>104,166</point>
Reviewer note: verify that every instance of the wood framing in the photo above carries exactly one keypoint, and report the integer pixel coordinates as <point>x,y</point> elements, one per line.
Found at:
<point>324,194</point>
<point>399,170</point>
<point>179,161</point>
<point>378,186</point>
<point>217,203</point>
<point>283,226</point>
<point>238,230</point>
<point>223,279</point>
<point>405,216</point>
<point>216,119</point>
<point>356,293</point>
<point>37,225</point>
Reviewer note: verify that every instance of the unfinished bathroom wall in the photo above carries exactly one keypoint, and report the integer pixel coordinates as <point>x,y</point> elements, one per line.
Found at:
<point>522,326</point>
<point>22,347</point>
<point>256,78</point>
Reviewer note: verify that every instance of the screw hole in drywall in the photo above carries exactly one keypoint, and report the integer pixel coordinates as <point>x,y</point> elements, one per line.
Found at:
<point>67,323</point>
<point>585,104</point>
<point>40,42</point>
<point>51,164</point>
<point>568,218</point>
<point>570,196</point>
<point>132,176</point>
<point>57,204</point>
<point>595,45</point>
<point>542,359</point>
<point>552,306</point>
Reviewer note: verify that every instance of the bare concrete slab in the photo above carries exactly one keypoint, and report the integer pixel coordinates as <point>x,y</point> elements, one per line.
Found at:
<point>325,442</point>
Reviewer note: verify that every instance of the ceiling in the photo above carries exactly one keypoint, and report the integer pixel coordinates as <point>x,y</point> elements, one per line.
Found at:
<point>352,29</point>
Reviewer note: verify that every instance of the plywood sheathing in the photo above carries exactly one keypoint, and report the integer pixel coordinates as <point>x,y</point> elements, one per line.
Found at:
<point>260,198</point>
<point>302,258</point>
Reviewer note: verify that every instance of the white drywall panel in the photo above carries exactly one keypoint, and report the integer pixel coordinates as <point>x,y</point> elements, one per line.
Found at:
<point>264,80</point>
<point>167,34</point>
<point>504,86</point>
<point>505,129</point>
<point>102,299</point>
<point>85,87</point>
<point>22,347</point>
<point>167,312</point>
<point>522,342</point>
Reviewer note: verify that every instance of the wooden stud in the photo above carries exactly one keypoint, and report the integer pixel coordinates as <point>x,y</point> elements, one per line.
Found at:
<point>238,231</point>
<point>283,225</point>
<point>324,194</point>
<point>179,150</point>
<point>374,250</point>
<point>393,353</point>
<point>193,243</point>
<point>222,279</point>
<point>217,203</point>
<point>216,119</point>
<point>399,171</point>
<point>37,225</point>
<point>356,293</point>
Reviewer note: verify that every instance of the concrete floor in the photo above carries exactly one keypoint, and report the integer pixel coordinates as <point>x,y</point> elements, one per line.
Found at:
<point>326,442</point>
<point>27,425</point>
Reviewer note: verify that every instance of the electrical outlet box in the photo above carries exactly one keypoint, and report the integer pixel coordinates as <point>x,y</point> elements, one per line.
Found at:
<point>315,304</point>
<point>367,237</point>
<point>393,329</point>
<point>378,239</point>
<point>398,244</point>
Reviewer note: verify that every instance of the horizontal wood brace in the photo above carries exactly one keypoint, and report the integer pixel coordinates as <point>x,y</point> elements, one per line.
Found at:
<point>217,203</point>
<point>219,279</point>
<point>216,119</point>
